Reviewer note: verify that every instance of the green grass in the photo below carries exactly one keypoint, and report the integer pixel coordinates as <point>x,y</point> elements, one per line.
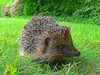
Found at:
<point>86,38</point>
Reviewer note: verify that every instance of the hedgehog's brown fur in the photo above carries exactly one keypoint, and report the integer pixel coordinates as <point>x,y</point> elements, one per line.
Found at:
<point>43,39</point>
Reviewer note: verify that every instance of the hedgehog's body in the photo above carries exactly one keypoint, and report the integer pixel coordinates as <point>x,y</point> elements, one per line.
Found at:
<point>43,39</point>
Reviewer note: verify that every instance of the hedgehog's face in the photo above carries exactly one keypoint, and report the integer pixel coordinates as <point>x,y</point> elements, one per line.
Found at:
<point>60,45</point>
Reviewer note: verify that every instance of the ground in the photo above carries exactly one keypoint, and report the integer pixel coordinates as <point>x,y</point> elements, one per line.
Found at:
<point>86,38</point>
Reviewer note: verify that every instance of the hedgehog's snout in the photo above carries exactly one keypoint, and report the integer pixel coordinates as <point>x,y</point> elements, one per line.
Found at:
<point>78,53</point>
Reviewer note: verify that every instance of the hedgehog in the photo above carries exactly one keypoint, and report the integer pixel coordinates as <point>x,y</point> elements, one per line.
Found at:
<point>44,40</point>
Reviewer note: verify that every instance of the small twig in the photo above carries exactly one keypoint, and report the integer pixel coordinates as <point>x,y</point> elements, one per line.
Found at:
<point>72,67</point>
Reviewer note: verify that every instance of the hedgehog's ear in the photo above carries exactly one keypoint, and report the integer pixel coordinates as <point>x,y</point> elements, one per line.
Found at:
<point>47,38</point>
<point>67,30</point>
<point>47,41</point>
<point>69,27</point>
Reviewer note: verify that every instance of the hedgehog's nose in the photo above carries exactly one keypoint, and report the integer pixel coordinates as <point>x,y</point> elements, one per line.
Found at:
<point>78,53</point>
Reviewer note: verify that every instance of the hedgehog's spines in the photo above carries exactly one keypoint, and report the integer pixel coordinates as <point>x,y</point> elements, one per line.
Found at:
<point>34,34</point>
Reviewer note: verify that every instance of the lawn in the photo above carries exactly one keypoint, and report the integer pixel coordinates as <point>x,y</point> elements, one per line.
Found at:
<point>86,38</point>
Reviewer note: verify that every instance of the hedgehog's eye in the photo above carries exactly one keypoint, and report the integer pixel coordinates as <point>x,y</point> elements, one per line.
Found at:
<point>61,46</point>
